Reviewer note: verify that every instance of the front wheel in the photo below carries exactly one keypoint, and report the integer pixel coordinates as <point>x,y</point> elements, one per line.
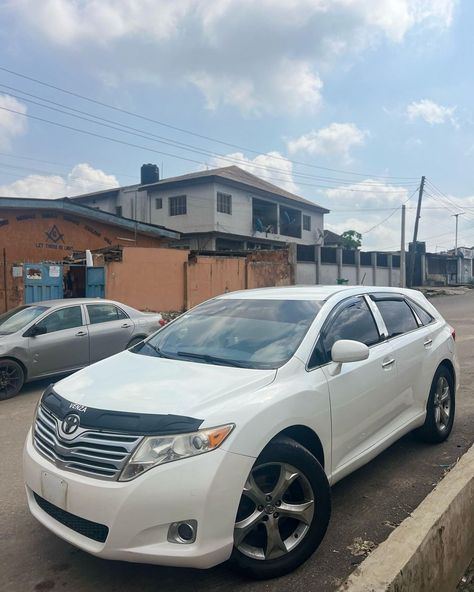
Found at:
<point>12,378</point>
<point>439,409</point>
<point>283,512</point>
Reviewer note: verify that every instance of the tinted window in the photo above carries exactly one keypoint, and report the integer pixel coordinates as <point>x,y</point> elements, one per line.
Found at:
<point>354,321</point>
<point>398,316</point>
<point>18,318</point>
<point>103,313</point>
<point>243,332</point>
<point>65,318</point>
<point>421,313</point>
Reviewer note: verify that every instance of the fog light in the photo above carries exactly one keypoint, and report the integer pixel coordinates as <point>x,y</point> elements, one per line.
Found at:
<point>183,533</point>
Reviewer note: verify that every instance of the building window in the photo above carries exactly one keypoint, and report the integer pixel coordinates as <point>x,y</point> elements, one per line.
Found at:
<point>224,203</point>
<point>158,203</point>
<point>118,210</point>
<point>306,222</point>
<point>177,205</point>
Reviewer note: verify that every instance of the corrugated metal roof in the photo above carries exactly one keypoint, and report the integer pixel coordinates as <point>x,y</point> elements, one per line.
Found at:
<point>68,205</point>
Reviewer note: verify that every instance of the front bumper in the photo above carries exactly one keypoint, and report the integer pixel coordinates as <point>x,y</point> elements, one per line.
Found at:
<point>138,513</point>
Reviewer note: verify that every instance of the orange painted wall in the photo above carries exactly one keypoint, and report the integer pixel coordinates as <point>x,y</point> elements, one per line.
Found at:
<point>32,236</point>
<point>148,279</point>
<point>211,276</point>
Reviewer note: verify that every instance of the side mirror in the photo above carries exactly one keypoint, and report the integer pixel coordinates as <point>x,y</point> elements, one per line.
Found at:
<point>37,330</point>
<point>347,350</point>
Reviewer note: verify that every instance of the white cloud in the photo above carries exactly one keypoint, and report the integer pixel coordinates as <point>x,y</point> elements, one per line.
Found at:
<point>257,56</point>
<point>431,112</point>
<point>337,139</point>
<point>273,167</point>
<point>11,124</point>
<point>81,179</point>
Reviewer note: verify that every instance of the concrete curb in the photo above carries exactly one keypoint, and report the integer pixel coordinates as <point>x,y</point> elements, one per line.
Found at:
<point>432,548</point>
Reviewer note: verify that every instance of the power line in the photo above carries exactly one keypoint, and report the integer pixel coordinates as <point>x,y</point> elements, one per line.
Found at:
<point>123,142</point>
<point>170,142</point>
<point>390,215</point>
<point>186,131</point>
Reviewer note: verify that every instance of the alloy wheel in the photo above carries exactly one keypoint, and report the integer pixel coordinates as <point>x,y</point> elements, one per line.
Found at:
<point>442,404</point>
<point>275,511</point>
<point>10,379</point>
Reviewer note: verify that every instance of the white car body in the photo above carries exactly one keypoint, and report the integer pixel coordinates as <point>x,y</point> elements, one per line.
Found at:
<point>354,412</point>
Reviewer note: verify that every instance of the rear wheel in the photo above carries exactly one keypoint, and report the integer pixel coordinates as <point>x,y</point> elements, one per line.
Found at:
<point>283,513</point>
<point>12,378</point>
<point>134,341</point>
<point>440,408</point>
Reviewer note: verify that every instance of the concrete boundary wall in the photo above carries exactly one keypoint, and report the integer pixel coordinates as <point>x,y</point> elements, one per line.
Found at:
<point>430,550</point>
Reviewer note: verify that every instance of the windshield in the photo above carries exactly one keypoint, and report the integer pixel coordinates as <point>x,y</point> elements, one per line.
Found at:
<point>244,333</point>
<point>18,318</point>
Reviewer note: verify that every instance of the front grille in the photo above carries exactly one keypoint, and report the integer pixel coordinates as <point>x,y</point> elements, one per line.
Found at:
<point>92,530</point>
<point>95,453</point>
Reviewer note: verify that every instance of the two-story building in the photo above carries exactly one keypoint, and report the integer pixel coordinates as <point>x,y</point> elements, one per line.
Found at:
<point>218,209</point>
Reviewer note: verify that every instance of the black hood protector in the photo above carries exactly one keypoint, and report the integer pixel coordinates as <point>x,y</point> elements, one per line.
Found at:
<point>140,424</point>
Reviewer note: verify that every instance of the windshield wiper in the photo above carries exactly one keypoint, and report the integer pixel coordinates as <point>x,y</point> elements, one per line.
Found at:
<point>213,359</point>
<point>156,349</point>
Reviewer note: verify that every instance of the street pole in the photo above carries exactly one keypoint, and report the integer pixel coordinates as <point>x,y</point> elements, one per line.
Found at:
<point>402,251</point>
<point>412,255</point>
<point>456,235</point>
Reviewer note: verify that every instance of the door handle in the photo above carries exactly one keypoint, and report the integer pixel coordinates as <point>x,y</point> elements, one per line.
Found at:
<point>428,342</point>
<point>388,363</point>
<point>81,334</point>
<point>125,326</point>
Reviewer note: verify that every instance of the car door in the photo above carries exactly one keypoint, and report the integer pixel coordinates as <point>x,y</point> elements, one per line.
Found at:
<point>410,342</point>
<point>110,330</point>
<point>361,393</point>
<point>64,345</point>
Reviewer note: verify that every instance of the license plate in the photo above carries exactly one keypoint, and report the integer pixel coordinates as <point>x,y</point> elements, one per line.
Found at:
<point>54,489</point>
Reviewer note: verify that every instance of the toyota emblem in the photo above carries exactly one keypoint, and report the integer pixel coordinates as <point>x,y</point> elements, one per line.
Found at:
<point>70,423</point>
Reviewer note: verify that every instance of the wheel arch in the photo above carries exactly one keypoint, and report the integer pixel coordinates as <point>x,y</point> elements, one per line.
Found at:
<point>450,367</point>
<point>19,362</point>
<point>135,337</point>
<point>307,438</point>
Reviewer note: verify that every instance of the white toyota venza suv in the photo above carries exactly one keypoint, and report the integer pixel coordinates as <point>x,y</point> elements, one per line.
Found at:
<point>218,437</point>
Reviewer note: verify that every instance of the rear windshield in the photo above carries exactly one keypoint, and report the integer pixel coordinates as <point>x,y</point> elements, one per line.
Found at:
<point>236,332</point>
<point>18,318</point>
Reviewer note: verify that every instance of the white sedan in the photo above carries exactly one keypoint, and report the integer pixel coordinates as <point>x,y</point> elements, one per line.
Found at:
<point>218,437</point>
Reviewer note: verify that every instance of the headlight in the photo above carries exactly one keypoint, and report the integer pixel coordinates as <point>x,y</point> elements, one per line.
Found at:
<point>158,450</point>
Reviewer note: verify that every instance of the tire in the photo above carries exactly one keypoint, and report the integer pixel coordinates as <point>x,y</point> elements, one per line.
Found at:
<point>287,471</point>
<point>440,408</point>
<point>134,341</point>
<point>12,378</point>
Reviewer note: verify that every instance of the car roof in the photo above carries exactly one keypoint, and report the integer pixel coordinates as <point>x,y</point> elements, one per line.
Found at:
<point>312,292</point>
<point>62,301</point>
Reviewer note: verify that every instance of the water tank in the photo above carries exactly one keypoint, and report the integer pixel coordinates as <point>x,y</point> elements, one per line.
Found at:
<point>149,173</point>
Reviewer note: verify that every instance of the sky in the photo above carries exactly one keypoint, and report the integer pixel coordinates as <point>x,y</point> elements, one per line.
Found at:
<point>344,102</point>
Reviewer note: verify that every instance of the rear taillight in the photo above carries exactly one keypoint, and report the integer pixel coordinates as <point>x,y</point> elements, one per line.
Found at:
<point>162,322</point>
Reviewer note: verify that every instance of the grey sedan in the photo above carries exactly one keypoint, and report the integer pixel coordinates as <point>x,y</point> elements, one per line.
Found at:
<point>60,336</point>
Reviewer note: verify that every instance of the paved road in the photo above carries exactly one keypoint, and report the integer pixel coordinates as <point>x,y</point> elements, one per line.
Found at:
<point>367,504</point>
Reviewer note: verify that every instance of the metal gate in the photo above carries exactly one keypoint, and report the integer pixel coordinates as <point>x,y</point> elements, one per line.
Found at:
<point>95,282</point>
<point>42,281</point>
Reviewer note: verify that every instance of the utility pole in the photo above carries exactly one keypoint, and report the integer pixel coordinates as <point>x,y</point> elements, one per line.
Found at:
<point>402,251</point>
<point>456,236</point>
<point>412,257</point>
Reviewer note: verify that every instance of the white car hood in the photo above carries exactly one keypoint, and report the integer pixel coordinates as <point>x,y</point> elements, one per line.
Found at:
<point>143,384</point>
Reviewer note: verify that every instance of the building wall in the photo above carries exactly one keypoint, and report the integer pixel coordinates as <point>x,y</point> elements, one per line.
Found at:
<point>32,236</point>
<point>202,215</point>
<point>306,273</point>
<point>148,279</point>
<point>170,280</point>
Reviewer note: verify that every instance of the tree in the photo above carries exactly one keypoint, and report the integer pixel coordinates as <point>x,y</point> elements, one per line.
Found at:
<point>351,239</point>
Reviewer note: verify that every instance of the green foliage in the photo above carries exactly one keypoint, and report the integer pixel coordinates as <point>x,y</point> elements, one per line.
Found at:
<point>352,239</point>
